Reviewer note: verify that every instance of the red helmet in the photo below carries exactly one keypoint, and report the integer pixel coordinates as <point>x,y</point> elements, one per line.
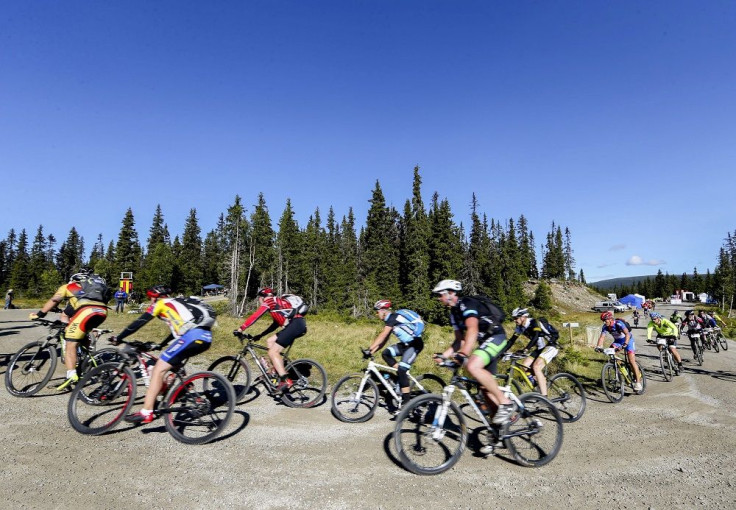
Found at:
<point>265,291</point>
<point>157,292</point>
<point>382,304</point>
<point>606,315</point>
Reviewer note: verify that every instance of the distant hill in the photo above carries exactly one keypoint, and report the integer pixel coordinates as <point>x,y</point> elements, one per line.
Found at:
<point>625,281</point>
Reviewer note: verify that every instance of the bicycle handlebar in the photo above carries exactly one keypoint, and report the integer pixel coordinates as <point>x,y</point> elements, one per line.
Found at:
<point>52,324</point>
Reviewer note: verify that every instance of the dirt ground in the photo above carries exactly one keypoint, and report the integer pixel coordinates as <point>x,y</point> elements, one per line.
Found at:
<point>671,447</point>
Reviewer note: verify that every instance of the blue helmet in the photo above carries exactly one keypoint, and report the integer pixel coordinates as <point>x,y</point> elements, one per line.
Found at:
<point>655,315</point>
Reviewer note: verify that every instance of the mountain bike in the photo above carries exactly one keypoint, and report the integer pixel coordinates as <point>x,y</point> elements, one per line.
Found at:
<point>636,321</point>
<point>616,374</point>
<point>718,334</point>
<point>696,343</point>
<point>356,397</point>
<point>563,389</point>
<point>666,360</point>
<point>712,337</point>
<point>431,432</point>
<point>309,377</point>
<point>196,407</point>
<point>32,367</point>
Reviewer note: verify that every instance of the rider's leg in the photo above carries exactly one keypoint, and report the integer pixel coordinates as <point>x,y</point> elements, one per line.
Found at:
<point>155,385</point>
<point>407,360</point>
<point>476,368</point>
<point>538,369</point>
<point>631,356</point>
<point>274,354</point>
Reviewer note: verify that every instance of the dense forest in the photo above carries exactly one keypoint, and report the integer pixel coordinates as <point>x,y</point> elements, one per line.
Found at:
<point>719,286</point>
<point>332,262</point>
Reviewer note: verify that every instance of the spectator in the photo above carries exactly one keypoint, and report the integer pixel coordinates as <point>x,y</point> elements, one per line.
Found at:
<point>120,297</point>
<point>9,300</point>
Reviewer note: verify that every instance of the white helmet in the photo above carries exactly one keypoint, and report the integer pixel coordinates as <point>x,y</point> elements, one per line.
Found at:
<point>444,285</point>
<point>519,312</point>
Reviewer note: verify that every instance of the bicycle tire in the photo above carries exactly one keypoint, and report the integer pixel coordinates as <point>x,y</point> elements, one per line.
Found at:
<point>613,386</point>
<point>351,406</point>
<point>430,382</point>
<point>665,364</point>
<point>236,371</point>
<point>516,389</point>
<point>101,399</point>
<point>568,396</point>
<point>309,384</point>
<point>714,341</point>
<point>30,369</point>
<point>723,341</point>
<point>698,353</point>
<point>421,447</point>
<point>534,433</point>
<point>197,410</point>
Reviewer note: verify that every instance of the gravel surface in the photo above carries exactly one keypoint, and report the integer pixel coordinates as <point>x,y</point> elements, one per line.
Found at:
<point>671,447</point>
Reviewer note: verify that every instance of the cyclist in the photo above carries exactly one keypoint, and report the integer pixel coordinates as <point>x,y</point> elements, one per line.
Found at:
<point>283,314</point>
<point>636,317</point>
<point>542,338</point>
<point>718,319</point>
<point>667,330</point>
<point>474,321</point>
<point>694,323</point>
<point>408,326</point>
<point>622,339</point>
<point>86,309</point>
<point>190,322</point>
<point>708,321</point>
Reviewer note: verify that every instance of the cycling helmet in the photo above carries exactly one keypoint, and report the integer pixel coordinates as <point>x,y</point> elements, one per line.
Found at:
<point>446,285</point>
<point>655,315</point>
<point>519,312</point>
<point>158,291</point>
<point>689,313</point>
<point>606,315</point>
<point>81,275</point>
<point>382,304</point>
<point>265,291</point>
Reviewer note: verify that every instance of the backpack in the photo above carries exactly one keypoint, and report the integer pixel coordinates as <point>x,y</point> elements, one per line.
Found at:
<point>95,288</point>
<point>415,326</point>
<point>494,315</point>
<point>298,305</point>
<point>554,335</point>
<point>628,326</point>
<point>204,315</point>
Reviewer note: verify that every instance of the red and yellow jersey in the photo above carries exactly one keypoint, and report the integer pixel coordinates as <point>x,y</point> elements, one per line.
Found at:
<point>70,291</point>
<point>175,314</point>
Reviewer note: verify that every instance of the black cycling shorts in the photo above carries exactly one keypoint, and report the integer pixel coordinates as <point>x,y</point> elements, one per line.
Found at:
<point>297,327</point>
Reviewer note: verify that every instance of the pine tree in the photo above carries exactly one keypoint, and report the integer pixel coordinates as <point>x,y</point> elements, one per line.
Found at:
<point>660,285</point>
<point>569,260</point>
<point>415,252</point>
<point>19,274</point>
<point>288,252</point>
<point>71,255</point>
<point>157,233</point>
<point>513,273</point>
<point>190,258</point>
<point>127,249</point>
<point>98,252</point>
<point>349,276</point>
<point>312,266</point>
<point>264,253</point>
<point>581,277</point>
<point>332,263</point>
<point>543,297</point>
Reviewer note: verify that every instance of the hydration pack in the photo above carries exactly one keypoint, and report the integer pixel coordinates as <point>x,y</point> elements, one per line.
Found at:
<point>492,313</point>
<point>549,330</point>
<point>204,315</point>
<point>415,324</point>
<point>95,288</point>
<point>298,305</point>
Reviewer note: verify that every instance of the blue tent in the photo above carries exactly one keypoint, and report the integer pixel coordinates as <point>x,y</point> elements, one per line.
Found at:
<point>632,300</point>
<point>212,286</point>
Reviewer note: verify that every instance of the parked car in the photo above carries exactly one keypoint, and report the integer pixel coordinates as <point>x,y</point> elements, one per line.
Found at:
<point>602,306</point>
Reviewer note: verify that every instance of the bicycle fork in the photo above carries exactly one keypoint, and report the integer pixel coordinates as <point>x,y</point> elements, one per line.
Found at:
<point>438,423</point>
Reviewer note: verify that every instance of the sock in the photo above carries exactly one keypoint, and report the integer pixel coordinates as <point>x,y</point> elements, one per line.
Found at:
<point>71,373</point>
<point>146,412</point>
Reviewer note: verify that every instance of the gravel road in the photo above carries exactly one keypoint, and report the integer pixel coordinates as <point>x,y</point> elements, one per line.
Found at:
<point>671,447</point>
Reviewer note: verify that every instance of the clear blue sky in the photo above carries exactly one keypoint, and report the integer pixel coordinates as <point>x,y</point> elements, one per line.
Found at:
<point>615,119</point>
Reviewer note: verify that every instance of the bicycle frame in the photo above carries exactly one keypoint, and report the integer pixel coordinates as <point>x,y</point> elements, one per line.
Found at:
<point>375,369</point>
<point>622,365</point>
<point>250,348</point>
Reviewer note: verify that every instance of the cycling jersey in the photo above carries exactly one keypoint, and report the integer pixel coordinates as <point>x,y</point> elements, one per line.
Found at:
<point>279,308</point>
<point>470,307</point>
<point>405,324</point>
<point>665,328</point>
<point>71,292</point>
<point>539,336</point>
<point>173,311</point>
<point>617,329</point>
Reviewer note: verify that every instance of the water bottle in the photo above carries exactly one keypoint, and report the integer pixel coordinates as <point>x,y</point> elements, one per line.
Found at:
<point>532,380</point>
<point>264,363</point>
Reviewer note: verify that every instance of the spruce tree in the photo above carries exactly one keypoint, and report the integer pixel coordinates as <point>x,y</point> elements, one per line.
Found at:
<point>288,253</point>
<point>127,249</point>
<point>19,274</point>
<point>71,255</point>
<point>264,254</point>
<point>190,258</point>
<point>380,258</point>
<point>416,249</point>
<point>349,277</point>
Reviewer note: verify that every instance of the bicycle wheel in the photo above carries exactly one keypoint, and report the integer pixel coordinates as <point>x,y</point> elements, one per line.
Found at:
<point>351,404</point>
<point>431,384</point>
<point>97,358</point>
<point>503,380</point>
<point>698,353</point>
<point>722,340</point>
<point>236,371</point>
<point>666,363</point>
<point>613,386</point>
<point>30,369</point>
<point>423,447</point>
<point>101,399</point>
<point>534,433</point>
<point>309,383</point>
<point>199,408</point>
<point>568,396</point>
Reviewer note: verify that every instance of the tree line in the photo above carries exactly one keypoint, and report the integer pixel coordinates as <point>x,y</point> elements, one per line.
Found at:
<point>333,263</point>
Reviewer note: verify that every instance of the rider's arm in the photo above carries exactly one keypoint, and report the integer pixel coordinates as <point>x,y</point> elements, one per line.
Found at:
<point>455,345</point>
<point>272,327</point>
<point>253,317</point>
<point>470,337</point>
<point>650,328</point>
<point>165,341</point>
<point>600,339</point>
<point>136,325</point>
<point>380,339</point>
